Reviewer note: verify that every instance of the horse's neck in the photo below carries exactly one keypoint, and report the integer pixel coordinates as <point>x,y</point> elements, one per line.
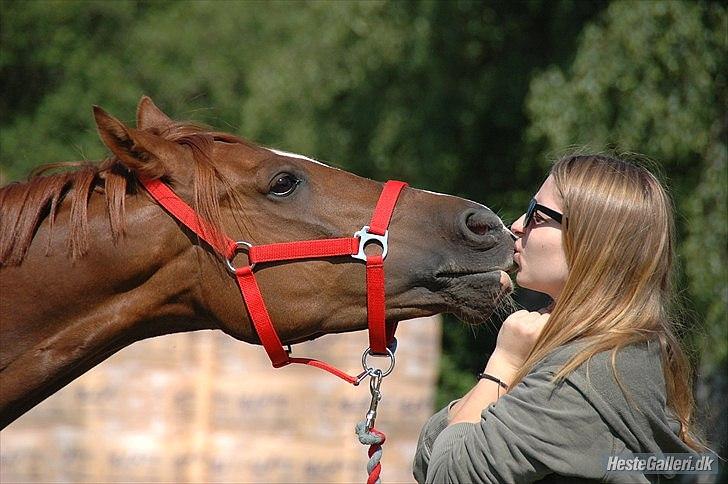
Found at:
<point>61,317</point>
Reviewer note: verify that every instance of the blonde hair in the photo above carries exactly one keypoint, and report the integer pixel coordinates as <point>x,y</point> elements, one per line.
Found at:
<point>618,237</point>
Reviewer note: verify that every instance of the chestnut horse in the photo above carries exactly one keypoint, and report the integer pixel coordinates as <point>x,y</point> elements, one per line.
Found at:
<point>91,264</point>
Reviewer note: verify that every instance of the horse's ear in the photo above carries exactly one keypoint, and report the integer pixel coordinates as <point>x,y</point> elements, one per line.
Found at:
<point>145,153</point>
<point>150,116</point>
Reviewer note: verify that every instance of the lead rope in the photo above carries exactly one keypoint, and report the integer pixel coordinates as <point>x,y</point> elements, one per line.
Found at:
<point>370,436</point>
<point>365,430</point>
<point>374,439</point>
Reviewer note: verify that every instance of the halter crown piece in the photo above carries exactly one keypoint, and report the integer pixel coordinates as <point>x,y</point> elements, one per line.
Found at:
<point>381,335</point>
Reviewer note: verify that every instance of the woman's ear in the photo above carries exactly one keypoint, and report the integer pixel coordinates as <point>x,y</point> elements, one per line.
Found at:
<point>146,154</point>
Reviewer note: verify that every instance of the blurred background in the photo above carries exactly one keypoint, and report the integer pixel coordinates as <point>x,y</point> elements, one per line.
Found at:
<point>471,98</point>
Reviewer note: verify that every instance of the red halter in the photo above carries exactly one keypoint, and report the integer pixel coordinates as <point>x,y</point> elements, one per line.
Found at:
<point>380,334</point>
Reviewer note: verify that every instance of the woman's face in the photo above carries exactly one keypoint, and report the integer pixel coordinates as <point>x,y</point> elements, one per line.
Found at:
<point>539,251</point>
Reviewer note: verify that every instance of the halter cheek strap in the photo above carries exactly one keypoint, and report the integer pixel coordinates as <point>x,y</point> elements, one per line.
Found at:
<point>381,335</point>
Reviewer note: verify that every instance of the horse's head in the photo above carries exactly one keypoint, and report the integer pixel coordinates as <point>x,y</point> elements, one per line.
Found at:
<point>446,254</point>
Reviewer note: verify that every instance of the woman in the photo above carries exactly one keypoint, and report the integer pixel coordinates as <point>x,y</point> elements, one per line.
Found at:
<point>600,371</point>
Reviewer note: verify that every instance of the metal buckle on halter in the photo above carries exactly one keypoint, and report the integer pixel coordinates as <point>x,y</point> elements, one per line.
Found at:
<point>240,246</point>
<point>365,237</point>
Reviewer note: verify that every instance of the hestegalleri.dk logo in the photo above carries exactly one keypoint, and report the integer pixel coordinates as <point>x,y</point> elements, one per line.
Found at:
<point>662,463</point>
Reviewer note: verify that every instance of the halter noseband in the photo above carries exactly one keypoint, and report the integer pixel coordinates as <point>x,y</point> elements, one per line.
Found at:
<point>381,335</point>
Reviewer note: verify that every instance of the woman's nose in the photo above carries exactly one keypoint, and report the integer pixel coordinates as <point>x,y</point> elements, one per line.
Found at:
<point>517,226</point>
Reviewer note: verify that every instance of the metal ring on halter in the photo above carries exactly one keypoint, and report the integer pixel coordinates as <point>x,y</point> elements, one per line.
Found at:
<point>370,370</point>
<point>240,246</point>
<point>364,237</point>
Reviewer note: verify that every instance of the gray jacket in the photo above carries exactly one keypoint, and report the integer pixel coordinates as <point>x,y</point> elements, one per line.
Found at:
<point>559,433</point>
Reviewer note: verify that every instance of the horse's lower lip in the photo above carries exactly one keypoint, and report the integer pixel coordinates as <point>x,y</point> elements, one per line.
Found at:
<point>459,274</point>
<point>451,278</point>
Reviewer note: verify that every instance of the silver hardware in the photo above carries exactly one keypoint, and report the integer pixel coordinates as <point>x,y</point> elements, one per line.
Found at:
<point>365,237</point>
<point>371,370</point>
<point>375,384</point>
<point>240,246</point>
<point>360,377</point>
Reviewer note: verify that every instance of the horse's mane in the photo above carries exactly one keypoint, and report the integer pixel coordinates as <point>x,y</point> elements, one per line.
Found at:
<point>25,205</point>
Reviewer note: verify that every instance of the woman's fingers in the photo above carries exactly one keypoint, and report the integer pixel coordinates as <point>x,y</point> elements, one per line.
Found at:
<point>518,335</point>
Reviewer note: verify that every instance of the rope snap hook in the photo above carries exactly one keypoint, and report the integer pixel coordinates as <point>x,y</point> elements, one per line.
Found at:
<point>375,383</point>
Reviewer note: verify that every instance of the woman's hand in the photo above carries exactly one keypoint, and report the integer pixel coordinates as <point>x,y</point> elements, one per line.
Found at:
<point>516,338</point>
<point>515,341</point>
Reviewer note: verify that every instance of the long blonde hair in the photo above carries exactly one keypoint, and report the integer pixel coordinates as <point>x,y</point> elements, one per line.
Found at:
<point>618,237</point>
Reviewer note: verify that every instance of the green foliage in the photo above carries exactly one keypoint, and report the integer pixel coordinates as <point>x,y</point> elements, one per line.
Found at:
<point>650,77</point>
<point>704,252</point>
<point>642,76</point>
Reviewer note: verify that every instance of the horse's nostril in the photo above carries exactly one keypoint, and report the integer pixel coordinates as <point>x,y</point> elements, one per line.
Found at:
<point>476,225</point>
<point>480,222</point>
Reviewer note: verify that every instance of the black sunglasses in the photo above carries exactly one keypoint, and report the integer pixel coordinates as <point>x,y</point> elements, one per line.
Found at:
<point>533,207</point>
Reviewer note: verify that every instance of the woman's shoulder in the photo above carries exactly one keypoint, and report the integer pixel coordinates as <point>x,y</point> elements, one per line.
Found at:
<point>634,358</point>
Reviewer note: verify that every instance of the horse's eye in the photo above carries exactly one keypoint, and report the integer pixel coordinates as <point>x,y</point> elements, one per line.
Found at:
<point>284,184</point>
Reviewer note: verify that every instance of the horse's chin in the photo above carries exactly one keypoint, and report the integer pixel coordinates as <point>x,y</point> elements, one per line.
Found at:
<point>474,297</point>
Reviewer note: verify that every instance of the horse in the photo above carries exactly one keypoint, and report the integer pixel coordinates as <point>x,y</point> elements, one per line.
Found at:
<point>90,263</point>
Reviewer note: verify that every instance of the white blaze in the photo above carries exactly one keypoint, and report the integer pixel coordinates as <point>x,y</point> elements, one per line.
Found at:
<point>435,193</point>
<point>294,155</point>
